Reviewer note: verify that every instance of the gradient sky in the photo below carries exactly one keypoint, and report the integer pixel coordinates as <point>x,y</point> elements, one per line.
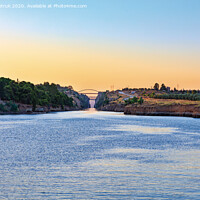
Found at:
<point>132,43</point>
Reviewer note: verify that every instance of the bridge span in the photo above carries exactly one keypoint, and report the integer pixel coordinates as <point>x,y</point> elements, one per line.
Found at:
<point>91,93</point>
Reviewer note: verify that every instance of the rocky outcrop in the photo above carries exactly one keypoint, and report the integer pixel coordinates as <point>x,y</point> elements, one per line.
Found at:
<point>113,107</point>
<point>80,101</point>
<point>190,110</point>
<point>164,110</point>
<point>5,108</point>
<point>100,99</point>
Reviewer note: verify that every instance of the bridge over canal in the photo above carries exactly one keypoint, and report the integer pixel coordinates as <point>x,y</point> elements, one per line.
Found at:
<point>91,93</point>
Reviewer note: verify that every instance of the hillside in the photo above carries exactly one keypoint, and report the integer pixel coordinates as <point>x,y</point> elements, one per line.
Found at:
<point>25,97</point>
<point>150,102</point>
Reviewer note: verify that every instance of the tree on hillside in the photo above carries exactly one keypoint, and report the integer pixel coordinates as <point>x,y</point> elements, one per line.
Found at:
<point>163,87</point>
<point>25,92</point>
<point>3,82</point>
<point>156,86</point>
<point>141,101</point>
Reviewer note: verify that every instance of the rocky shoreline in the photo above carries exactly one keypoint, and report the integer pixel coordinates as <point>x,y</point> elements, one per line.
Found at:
<point>164,110</point>
<point>155,110</point>
<point>39,112</point>
<point>113,107</point>
<point>24,109</point>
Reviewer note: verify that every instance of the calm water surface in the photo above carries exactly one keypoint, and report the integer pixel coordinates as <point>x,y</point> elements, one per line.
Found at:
<point>99,155</point>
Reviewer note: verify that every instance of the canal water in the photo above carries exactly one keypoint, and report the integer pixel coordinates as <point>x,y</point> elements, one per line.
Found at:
<point>99,155</point>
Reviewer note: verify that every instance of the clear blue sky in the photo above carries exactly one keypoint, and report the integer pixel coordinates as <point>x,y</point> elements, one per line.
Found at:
<point>148,21</point>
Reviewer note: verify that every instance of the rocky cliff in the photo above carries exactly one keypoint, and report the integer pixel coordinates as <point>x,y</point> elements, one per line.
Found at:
<point>164,110</point>
<point>100,100</point>
<point>113,107</point>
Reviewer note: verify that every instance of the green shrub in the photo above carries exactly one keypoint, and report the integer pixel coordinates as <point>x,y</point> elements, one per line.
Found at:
<point>186,96</point>
<point>134,100</point>
<point>141,101</point>
<point>2,108</point>
<point>14,108</point>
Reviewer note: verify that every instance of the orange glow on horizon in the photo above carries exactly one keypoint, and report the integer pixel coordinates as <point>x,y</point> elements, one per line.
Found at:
<point>85,65</point>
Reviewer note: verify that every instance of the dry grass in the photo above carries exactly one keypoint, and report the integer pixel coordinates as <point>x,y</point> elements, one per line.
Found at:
<point>118,98</point>
<point>171,102</point>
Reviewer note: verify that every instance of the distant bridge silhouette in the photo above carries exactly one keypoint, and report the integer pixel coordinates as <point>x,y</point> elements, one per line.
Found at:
<point>91,91</point>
